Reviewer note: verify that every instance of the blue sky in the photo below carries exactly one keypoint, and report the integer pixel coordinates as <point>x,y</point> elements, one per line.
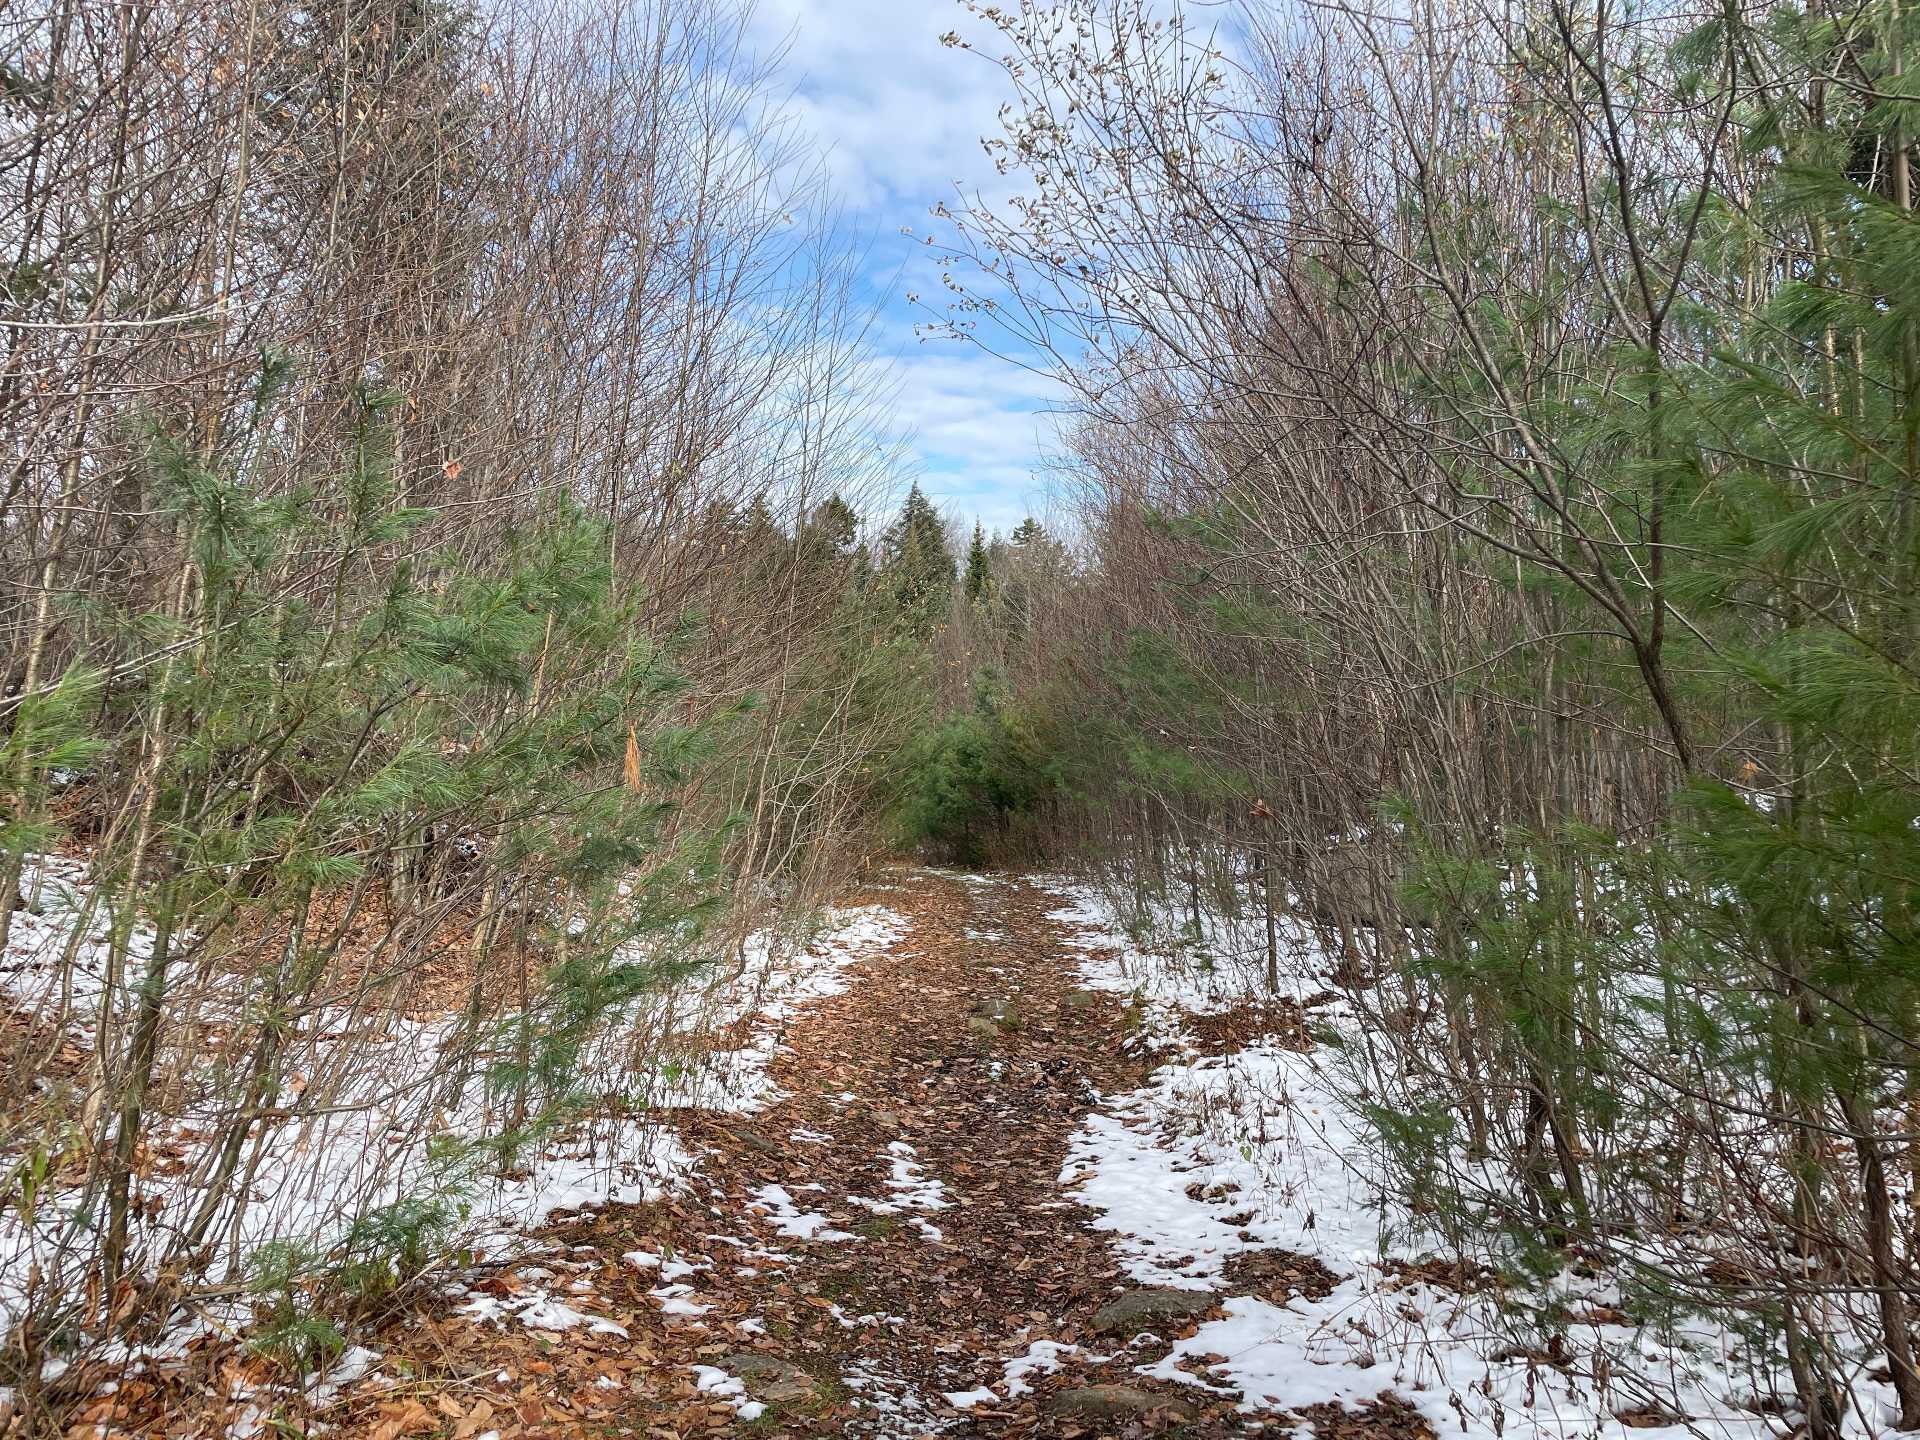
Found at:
<point>898,118</point>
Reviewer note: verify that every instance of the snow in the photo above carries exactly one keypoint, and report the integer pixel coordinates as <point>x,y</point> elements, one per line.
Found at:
<point>710,1380</point>
<point>673,1301</point>
<point>1259,1126</point>
<point>318,1390</point>
<point>1271,1362</point>
<point>364,1150</point>
<point>625,1163</point>
<point>355,1364</point>
<point>1043,1357</point>
<point>910,1185</point>
<point>912,1189</point>
<point>890,1405</point>
<point>1216,1157</point>
<point>769,988</point>
<point>374,1100</point>
<point>538,1310</point>
<point>861,1322</point>
<point>1171,977</point>
<point>1211,1158</point>
<point>792,1222</point>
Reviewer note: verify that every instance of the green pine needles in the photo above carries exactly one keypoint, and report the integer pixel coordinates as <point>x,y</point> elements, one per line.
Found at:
<point>346,741</point>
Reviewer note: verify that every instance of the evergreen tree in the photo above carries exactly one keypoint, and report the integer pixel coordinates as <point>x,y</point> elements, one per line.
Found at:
<point>978,578</point>
<point>1022,568</point>
<point>916,567</point>
<point>825,541</point>
<point>972,781</point>
<point>835,523</point>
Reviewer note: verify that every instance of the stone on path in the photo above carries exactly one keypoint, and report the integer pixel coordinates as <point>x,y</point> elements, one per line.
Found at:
<point>1116,1402</point>
<point>1132,1309</point>
<point>992,1017</point>
<point>768,1379</point>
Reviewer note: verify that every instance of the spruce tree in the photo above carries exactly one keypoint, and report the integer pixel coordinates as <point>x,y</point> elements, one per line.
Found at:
<point>835,523</point>
<point>977,577</point>
<point>916,567</point>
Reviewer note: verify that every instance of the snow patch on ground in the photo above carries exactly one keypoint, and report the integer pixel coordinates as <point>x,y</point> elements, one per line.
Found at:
<point>1174,979</point>
<point>1215,1157</point>
<point>887,1405</point>
<point>673,1301</point>
<point>538,1310</point>
<point>359,1132</point>
<point>790,1221</point>
<point>912,1187</point>
<point>1255,1128</point>
<point>317,1391</point>
<point>765,991</point>
<point>710,1380</point>
<point>1043,1357</point>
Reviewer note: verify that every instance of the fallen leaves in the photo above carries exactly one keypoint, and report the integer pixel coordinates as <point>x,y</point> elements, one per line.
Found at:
<point>821,1330</point>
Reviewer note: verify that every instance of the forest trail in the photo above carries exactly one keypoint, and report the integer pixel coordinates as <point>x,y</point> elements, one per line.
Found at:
<point>869,1254</point>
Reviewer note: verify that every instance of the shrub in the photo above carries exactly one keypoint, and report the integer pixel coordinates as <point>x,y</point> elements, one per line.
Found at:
<point>973,776</point>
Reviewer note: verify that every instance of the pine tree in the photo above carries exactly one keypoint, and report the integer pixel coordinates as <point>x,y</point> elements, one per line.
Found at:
<point>836,524</point>
<point>916,566</point>
<point>337,736</point>
<point>977,576</point>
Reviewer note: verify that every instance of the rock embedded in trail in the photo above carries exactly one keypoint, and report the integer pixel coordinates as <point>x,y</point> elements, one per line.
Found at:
<point>773,1381</point>
<point>1134,1309</point>
<point>994,1015</point>
<point>1116,1402</point>
<point>754,1140</point>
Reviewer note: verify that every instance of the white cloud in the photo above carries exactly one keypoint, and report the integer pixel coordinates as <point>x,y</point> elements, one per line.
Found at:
<point>899,115</point>
<point>979,425</point>
<point>898,119</point>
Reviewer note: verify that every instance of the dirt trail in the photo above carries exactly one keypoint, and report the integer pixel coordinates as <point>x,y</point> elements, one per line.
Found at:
<point>888,1235</point>
<point>964,1045</point>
